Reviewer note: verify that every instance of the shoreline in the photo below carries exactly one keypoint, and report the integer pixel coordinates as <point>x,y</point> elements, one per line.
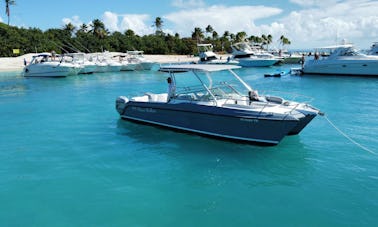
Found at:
<point>15,64</point>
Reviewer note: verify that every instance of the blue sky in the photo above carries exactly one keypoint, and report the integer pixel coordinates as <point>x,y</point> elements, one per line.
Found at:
<point>307,23</point>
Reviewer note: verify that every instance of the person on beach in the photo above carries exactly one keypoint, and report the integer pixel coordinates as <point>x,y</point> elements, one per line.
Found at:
<point>171,88</point>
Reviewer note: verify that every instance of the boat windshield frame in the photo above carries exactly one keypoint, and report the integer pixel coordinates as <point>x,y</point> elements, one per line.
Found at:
<point>207,91</point>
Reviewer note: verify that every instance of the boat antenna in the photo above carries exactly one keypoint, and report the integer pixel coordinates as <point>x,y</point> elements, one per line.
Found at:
<point>81,45</point>
<point>72,47</point>
<point>59,46</point>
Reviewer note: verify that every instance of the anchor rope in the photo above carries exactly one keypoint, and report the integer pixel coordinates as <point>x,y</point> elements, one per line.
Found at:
<point>349,138</point>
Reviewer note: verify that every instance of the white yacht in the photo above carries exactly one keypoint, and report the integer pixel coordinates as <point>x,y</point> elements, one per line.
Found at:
<point>207,56</point>
<point>136,58</point>
<point>341,60</point>
<point>48,65</point>
<point>87,67</point>
<point>243,53</point>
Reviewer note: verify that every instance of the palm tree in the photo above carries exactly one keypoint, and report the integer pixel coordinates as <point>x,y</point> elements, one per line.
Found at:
<point>232,37</point>
<point>240,36</point>
<point>284,41</point>
<point>159,25</point>
<point>254,39</point>
<point>226,35</point>
<point>129,33</point>
<point>98,28</point>
<point>215,35</point>
<point>197,34</point>
<point>7,4</point>
<point>69,28</point>
<point>269,40</point>
<point>266,40</point>
<point>209,29</point>
<point>83,28</point>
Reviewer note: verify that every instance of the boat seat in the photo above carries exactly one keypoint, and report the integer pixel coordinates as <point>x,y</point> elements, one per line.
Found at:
<point>140,99</point>
<point>274,99</point>
<point>157,97</point>
<point>190,97</point>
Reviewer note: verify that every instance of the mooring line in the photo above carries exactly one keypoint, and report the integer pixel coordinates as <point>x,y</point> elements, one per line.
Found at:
<point>348,137</point>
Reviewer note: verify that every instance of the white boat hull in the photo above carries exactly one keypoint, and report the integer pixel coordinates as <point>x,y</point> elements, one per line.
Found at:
<point>256,62</point>
<point>50,70</point>
<point>342,67</point>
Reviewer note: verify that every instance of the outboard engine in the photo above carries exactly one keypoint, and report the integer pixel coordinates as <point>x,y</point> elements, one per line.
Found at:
<point>121,102</point>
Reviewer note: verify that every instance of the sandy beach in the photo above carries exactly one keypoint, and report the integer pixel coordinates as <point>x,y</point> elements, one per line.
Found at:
<point>17,63</point>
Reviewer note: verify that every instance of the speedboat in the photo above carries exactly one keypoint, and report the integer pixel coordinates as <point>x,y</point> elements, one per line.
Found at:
<point>243,53</point>
<point>213,100</point>
<point>137,60</point>
<point>207,56</point>
<point>87,67</point>
<point>341,60</point>
<point>47,65</point>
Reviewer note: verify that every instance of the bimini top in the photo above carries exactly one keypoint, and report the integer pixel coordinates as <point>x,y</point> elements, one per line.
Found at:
<point>197,67</point>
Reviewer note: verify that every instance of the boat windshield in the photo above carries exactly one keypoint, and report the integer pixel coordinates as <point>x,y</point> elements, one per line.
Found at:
<point>207,87</point>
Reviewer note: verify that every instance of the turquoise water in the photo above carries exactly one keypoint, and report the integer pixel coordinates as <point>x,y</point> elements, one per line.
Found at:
<point>66,159</point>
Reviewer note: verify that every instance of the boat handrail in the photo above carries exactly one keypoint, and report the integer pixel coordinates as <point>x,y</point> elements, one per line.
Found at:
<point>289,95</point>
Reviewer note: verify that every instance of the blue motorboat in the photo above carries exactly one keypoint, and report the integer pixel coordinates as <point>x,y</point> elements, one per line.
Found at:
<point>213,100</point>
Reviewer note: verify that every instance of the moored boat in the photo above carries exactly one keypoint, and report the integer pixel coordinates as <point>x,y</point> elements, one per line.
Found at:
<point>207,56</point>
<point>220,105</point>
<point>243,53</point>
<point>341,60</point>
<point>48,65</point>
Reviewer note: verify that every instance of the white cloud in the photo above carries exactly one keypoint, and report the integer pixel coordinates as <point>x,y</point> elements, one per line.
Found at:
<point>188,4</point>
<point>119,22</point>
<point>1,19</point>
<point>75,20</point>
<point>310,26</point>
<point>221,18</point>
<point>356,21</point>
<point>110,21</point>
<point>318,22</point>
<point>122,22</point>
<point>137,23</point>
<point>311,3</point>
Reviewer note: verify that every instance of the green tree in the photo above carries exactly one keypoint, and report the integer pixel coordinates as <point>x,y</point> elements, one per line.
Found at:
<point>83,28</point>
<point>98,29</point>
<point>70,28</point>
<point>240,36</point>
<point>197,34</point>
<point>215,35</point>
<point>284,41</point>
<point>209,29</point>
<point>159,26</point>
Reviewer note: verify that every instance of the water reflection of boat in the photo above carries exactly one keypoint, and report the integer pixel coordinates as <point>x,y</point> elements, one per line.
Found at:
<point>217,105</point>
